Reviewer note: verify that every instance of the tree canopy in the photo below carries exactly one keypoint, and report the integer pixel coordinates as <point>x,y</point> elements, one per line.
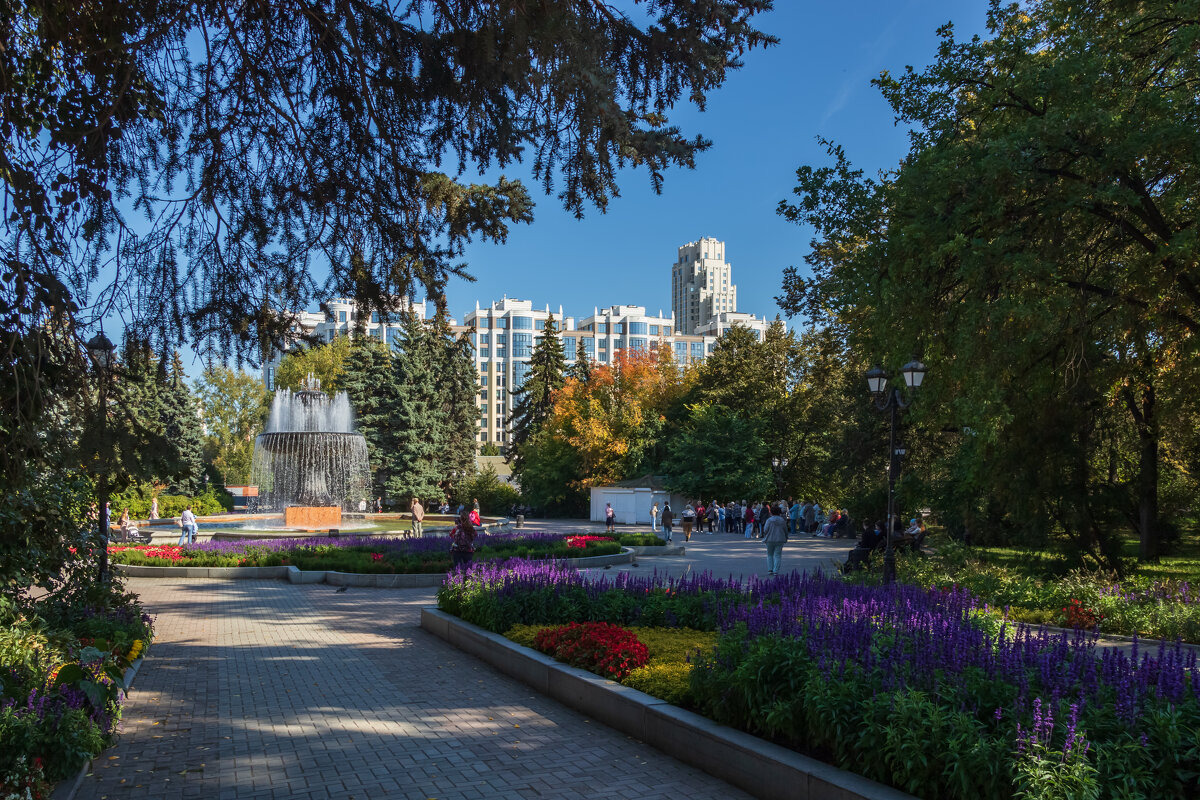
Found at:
<point>1038,246</point>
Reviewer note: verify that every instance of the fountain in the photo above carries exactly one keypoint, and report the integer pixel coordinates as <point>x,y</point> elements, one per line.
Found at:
<point>309,462</point>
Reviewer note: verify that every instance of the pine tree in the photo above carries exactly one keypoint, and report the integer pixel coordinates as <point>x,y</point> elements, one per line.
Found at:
<point>420,432</point>
<point>456,384</point>
<point>181,427</point>
<point>370,382</point>
<point>581,370</point>
<point>536,399</point>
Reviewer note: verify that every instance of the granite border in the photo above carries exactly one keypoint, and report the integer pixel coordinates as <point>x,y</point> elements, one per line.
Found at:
<point>763,769</point>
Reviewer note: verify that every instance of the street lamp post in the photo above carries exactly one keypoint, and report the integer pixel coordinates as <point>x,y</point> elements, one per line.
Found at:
<point>890,400</point>
<point>780,464</point>
<point>101,351</point>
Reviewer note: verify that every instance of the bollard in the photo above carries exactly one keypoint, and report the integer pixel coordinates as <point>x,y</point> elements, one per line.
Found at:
<point>520,520</point>
<point>334,533</point>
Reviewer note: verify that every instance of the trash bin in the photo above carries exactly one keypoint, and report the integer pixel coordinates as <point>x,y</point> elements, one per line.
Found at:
<point>520,520</point>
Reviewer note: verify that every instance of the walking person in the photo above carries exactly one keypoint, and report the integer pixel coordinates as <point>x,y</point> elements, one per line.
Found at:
<point>748,520</point>
<point>187,525</point>
<point>154,508</point>
<point>688,519</point>
<point>418,517</point>
<point>462,541</point>
<point>720,518</point>
<point>654,518</point>
<point>774,535</point>
<point>668,519</point>
<point>610,518</point>
<point>378,505</point>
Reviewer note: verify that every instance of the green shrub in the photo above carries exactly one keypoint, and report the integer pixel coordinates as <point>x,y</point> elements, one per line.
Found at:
<point>138,498</point>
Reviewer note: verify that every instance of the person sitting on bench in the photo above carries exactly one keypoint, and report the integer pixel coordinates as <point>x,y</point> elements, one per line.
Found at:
<point>871,538</point>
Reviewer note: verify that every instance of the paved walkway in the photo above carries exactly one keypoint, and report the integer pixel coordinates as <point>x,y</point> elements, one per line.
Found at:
<point>263,689</point>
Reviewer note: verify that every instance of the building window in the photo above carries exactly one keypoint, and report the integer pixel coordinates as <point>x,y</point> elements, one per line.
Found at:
<point>500,394</point>
<point>522,344</point>
<point>568,345</point>
<point>500,323</point>
<point>697,350</point>
<point>637,328</point>
<point>483,339</point>
<point>589,347</point>
<point>604,358</point>
<point>483,352</point>
<point>341,316</point>
<point>520,370</point>
<point>500,380</point>
<point>539,324</point>
<point>483,379</point>
<point>653,330</point>
<point>483,409</point>
<point>501,338</point>
<point>522,323</point>
<point>374,316</point>
<point>637,343</point>
<point>604,344</point>
<point>602,327</point>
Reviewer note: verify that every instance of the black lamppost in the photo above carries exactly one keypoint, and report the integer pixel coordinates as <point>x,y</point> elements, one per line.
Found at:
<point>889,399</point>
<point>780,464</point>
<point>101,351</point>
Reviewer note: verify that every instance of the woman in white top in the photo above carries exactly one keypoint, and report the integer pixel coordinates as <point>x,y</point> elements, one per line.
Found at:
<point>187,522</point>
<point>654,518</point>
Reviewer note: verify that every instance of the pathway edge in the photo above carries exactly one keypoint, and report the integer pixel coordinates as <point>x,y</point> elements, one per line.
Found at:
<point>764,769</point>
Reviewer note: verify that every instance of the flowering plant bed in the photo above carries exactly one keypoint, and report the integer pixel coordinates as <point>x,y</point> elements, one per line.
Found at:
<point>1140,605</point>
<point>62,684</point>
<point>362,554</point>
<point>921,689</point>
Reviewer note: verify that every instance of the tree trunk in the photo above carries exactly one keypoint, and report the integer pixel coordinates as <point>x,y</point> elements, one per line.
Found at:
<point>1148,478</point>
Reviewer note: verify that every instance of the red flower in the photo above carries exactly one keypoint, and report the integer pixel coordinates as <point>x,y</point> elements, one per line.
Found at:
<point>600,647</point>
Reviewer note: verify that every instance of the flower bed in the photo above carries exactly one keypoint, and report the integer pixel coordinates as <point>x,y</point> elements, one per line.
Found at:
<point>1141,606</point>
<point>62,673</point>
<point>362,554</point>
<point>920,689</point>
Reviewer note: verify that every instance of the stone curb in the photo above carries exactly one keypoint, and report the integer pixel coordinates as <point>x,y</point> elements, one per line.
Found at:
<point>755,765</point>
<point>293,574</point>
<point>67,789</point>
<point>658,550</point>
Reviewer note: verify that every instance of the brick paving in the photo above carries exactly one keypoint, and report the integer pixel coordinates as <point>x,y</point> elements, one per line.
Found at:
<point>263,689</point>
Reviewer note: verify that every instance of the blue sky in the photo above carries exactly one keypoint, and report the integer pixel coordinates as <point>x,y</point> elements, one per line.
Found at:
<point>763,124</point>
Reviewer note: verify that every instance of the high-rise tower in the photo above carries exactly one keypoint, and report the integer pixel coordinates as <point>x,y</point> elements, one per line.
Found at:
<point>701,285</point>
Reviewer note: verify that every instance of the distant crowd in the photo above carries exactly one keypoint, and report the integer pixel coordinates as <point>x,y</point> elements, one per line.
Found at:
<point>749,519</point>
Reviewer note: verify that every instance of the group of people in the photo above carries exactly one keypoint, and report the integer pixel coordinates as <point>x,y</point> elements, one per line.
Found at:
<point>873,538</point>
<point>747,519</point>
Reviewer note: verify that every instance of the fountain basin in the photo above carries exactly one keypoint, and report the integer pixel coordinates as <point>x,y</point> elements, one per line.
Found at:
<point>312,518</point>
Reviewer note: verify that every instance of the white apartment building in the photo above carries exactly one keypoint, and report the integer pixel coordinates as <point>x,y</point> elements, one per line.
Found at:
<point>701,285</point>
<point>722,322</point>
<point>503,335</point>
<point>338,317</point>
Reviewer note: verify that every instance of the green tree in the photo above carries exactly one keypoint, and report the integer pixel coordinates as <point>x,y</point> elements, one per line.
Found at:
<point>234,405</point>
<point>325,361</point>
<point>369,380</point>
<point>1037,246</point>
<point>420,432</point>
<point>181,426</point>
<point>719,455</point>
<point>455,384</point>
<point>535,400</point>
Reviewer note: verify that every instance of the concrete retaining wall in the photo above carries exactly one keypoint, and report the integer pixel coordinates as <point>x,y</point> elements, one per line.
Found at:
<point>763,769</point>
